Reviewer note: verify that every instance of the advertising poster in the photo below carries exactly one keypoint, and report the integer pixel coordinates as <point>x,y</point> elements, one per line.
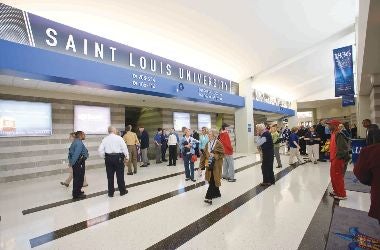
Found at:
<point>91,119</point>
<point>181,120</point>
<point>204,120</point>
<point>344,73</point>
<point>25,119</point>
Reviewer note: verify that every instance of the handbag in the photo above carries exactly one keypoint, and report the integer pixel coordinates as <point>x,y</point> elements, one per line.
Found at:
<point>194,158</point>
<point>211,165</point>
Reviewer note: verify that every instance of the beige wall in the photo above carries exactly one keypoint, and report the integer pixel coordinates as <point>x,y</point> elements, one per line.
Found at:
<point>335,111</point>
<point>30,157</point>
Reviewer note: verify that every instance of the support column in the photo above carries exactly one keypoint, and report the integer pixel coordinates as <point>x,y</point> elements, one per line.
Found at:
<point>375,104</point>
<point>293,120</point>
<point>363,112</point>
<point>244,120</point>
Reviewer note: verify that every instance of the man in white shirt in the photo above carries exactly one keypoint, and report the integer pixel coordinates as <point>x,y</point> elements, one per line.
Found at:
<point>115,152</point>
<point>172,142</point>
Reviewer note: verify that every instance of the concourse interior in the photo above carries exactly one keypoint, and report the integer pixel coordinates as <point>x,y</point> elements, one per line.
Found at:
<point>190,124</point>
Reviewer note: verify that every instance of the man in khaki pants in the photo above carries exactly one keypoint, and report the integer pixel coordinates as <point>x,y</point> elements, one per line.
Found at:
<point>132,141</point>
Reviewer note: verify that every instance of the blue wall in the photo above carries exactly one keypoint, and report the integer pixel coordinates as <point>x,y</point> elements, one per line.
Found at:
<point>262,106</point>
<point>25,61</point>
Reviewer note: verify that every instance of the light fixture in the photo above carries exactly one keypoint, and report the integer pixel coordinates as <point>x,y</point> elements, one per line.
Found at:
<point>26,79</point>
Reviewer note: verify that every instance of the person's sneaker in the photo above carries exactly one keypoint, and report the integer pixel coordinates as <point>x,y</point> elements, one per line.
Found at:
<point>64,184</point>
<point>231,180</point>
<point>129,173</point>
<point>340,198</point>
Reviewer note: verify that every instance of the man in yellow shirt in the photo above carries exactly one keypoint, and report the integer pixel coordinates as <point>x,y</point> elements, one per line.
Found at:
<point>132,141</point>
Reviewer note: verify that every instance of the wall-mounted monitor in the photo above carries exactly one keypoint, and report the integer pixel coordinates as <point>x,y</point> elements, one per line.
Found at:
<point>19,118</point>
<point>91,119</point>
<point>181,120</point>
<point>204,120</point>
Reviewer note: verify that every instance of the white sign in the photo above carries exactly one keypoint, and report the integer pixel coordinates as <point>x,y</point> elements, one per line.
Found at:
<point>25,119</point>
<point>181,120</point>
<point>204,120</point>
<point>91,119</point>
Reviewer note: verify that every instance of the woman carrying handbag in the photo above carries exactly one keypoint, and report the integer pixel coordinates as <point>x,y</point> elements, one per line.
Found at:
<point>214,153</point>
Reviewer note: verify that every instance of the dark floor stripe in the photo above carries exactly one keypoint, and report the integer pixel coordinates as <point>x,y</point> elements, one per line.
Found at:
<point>117,213</point>
<point>68,201</point>
<point>187,233</point>
<point>318,231</point>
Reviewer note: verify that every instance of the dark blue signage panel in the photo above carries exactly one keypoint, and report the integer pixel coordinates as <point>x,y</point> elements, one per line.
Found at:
<point>344,73</point>
<point>25,28</point>
<point>266,107</point>
<point>25,61</point>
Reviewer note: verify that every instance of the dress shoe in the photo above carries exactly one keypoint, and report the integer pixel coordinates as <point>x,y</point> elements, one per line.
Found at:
<point>169,165</point>
<point>81,196</point>
<point>193,180</point>
<point>174,164</point>
<point>187,179</point>
<point>143,166</point>
<point>208,201</point>
<point>110,195</point>
<point>124,193</point>
<point>64,184</point>
<point>129,173</point>
<point>340,197</point>
<point>148,163</point>
<point>265,184</point>
<point>231,180</point>
<point>279,167</point>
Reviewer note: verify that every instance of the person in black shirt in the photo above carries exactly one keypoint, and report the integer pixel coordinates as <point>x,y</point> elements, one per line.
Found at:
<point>371,133</point>
<point>320,129</point>
<point>196,137</point>
<point>301,134</point>
<point>354,131</point>
<point>144,145</point>
<point>312,144</point>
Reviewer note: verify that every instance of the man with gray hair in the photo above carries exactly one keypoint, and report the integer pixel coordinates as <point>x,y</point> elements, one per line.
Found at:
<point>115,152</point>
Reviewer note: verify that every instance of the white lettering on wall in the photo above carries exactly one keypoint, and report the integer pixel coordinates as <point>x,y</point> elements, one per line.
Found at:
<point>188,76</point>
<point>153,65</point>
<point>71,44</point>
<point>168,69</point>
<point>85,46</point>
<point>131,60</point>
<point>51,33</point>
<point>142,62</point>
<point>181,73</point>
<point>112,53</point>
<point>99,50</point>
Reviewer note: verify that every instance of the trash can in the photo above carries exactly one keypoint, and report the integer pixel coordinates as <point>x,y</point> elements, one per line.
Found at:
<point>357,145</point>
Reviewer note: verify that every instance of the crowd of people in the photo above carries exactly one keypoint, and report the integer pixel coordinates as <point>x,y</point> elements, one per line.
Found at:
<point>213,149</point>
<point>215,153</point>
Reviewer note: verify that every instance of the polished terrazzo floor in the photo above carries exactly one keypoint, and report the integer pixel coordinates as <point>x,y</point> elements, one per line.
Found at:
<point>163,211</point>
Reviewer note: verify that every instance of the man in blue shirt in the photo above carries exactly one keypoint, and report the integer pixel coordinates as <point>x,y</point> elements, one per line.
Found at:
<point>157,144</point>
<point>294,147</point>
<point>78,154</point>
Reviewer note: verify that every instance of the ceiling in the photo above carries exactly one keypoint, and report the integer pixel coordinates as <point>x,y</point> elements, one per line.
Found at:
<point>285,44</point>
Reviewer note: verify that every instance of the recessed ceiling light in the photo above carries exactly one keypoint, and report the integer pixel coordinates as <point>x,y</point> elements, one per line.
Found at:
<point>26,79</point>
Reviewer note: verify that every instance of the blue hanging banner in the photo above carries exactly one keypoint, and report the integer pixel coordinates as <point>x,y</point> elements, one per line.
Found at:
<point>344,74</point>
<point>348,100</point>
